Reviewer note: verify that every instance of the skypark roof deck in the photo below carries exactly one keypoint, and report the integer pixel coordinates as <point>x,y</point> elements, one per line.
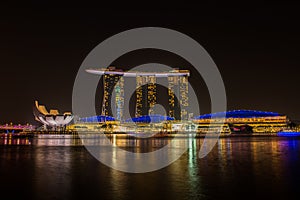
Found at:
<point>135,74</point>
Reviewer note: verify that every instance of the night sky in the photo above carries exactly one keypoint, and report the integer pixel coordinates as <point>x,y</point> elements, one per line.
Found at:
<point>256,48</point>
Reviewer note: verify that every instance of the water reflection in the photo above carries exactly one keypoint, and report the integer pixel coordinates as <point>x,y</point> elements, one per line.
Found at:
<point>43,140</point>
<point>15,141</point>
<point>61,168</point>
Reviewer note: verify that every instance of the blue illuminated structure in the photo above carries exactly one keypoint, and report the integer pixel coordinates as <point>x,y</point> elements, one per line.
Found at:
<point>288,134</point>
<point>239,114</point>
<point>150,118</point>
<point>99,118</point>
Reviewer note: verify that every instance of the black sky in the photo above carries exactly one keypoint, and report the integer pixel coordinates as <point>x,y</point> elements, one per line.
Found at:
<point>256,48</point>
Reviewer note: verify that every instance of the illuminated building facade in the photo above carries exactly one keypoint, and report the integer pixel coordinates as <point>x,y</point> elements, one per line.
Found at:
<point>139,96</point>
<point>151,94</point>
<point>146,93</point>
<point>151,118</point>
<point>173,91</point>
<point>178,87</point>
<point>184,99</point>
<point>244,121</point>
<point>53,118</point>
<point>119,100</point>
<point>111,81</point>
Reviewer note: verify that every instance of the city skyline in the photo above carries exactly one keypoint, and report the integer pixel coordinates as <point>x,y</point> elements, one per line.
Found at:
<point>150,101</point>
<point>255,49</point>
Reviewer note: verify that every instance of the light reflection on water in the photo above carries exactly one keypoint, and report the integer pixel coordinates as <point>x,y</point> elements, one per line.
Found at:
<point>55,167</point>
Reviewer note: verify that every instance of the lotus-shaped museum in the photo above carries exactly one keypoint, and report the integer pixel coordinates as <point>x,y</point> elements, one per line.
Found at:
<point>52,118</point>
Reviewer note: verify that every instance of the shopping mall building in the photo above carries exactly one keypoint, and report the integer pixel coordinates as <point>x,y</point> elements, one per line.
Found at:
<point>242,121</point>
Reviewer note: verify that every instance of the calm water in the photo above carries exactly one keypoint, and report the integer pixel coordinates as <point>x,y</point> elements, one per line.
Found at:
<point>237,168</point>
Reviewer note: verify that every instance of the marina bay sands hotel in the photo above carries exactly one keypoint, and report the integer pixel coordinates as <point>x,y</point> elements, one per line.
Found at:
<point>146,91</point>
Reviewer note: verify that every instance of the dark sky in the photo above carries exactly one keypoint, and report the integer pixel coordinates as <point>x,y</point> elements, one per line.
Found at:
<point>256,48</point>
